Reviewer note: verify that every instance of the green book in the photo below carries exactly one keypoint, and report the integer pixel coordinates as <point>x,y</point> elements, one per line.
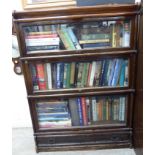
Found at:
<point>68,39</point>
<point>68,75</point>
<point>84,74</point>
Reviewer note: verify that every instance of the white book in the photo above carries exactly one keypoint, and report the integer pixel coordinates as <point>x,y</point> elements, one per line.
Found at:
<point>42,41</point>
<point>94,109</point>
<point>123,109</point>
<point>92,75</point>
<point>49,75</point>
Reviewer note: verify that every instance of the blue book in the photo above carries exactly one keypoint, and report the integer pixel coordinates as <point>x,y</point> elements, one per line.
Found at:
<point>112,69</point>
<point>61,74</point>
<point>122,74</point>
<point>94,45</point>
<point>116,72</point>
<point>73,38</point>
<point>58,75</point>
<point>102,73</point>
<point>56,115</point>
<point>80,110</point>
<point>105,78</point>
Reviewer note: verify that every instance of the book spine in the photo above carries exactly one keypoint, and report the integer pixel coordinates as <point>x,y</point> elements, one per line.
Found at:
<point>113,36</point>
<point>72,75</point>
<point>122,74</point>
<point>79,77</point>
<point>99,110</point>
<point>84,111</point>
<point>84,73</point>
<point>44,47</point>
<point>126,35</point>
<point>41,76</point>
<point>58,83</point>
<point>105,73</point>
<point>93,41</point>
<point>120,109</point>
<point>42,41</point>
<point>116,72</point>
<point>68,75</point>
<point>89,73</point>
<point>73,38</point>
<point>80,110</point>
<point>107,109</point>
<point>61,74</point>
<point>49,75</point>
<point>97,73</point>
<point>73,106</point>
<point>126,73</point>
<point>94,36</point>
<point>96,45</point>
<point>76,74</point>
<point>38,36</point>
<point>94,109</point>
<point>123,109</point>
<point>34,77</point>
<point>102,73</point>
<point>88,110</point>
<point>68,39</point>
<point>104,109</point>
<point>65,76</point>
<point>92,75</point>
<point>111,72</point>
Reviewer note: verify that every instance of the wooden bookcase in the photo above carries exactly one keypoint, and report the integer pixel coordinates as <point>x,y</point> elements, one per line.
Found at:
<point>87,114</point>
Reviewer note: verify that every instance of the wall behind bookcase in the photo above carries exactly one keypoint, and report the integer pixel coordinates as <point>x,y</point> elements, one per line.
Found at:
<point>20,109</point>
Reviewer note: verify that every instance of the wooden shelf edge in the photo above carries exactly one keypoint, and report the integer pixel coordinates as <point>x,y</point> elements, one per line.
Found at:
<point>103,92</point>
<point>77,54</point>
<point>85,147</point>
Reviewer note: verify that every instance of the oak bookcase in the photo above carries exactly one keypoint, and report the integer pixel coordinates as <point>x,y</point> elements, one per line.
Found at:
<point>80,84</point>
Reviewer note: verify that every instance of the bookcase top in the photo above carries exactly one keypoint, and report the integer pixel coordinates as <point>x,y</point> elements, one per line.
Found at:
<point>111,8</point>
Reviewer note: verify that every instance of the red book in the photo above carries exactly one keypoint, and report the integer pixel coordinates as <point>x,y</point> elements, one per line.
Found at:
<point>84,111</point>
<point>41,76</point>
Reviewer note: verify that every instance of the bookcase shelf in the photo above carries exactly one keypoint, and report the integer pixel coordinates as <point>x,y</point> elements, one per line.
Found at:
<point>79,71</point>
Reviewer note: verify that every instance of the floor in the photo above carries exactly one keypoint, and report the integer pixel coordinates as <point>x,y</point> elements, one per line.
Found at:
<point>23,144</point>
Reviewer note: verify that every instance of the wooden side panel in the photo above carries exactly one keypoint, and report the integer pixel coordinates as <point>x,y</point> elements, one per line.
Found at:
<point>138,105</point>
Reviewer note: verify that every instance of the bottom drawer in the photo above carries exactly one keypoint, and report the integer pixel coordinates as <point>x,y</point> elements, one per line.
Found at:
<point>97,138</point>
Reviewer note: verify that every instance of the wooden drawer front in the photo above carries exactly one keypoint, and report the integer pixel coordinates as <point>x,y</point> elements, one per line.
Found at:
<point>83,139</point>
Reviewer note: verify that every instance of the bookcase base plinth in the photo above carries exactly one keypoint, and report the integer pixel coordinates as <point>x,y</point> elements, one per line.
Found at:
<point>85,147</point>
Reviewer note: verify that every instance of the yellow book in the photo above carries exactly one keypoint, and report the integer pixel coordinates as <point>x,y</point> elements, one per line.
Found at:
<point>94,41</point>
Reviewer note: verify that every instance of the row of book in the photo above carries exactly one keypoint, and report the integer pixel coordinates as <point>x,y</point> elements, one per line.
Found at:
<point>73,36</point>
<point>108,72</point>
<point>53,114</point>
<point>88,110</point>
<point>81,111</point>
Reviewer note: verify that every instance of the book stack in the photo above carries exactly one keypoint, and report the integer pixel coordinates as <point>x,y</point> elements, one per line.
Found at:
<point>108,72</point>
<point>88,110</point>
<point>42,39</point>
<point>92,36</point>
<point>53,114</point>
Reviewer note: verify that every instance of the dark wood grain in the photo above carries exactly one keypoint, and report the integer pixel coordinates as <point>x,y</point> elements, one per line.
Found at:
<point>138,104</point>
<point>96,136</point>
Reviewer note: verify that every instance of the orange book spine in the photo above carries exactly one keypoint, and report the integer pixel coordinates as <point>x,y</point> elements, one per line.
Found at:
<point>41,76</point>
<point>84,111</point>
